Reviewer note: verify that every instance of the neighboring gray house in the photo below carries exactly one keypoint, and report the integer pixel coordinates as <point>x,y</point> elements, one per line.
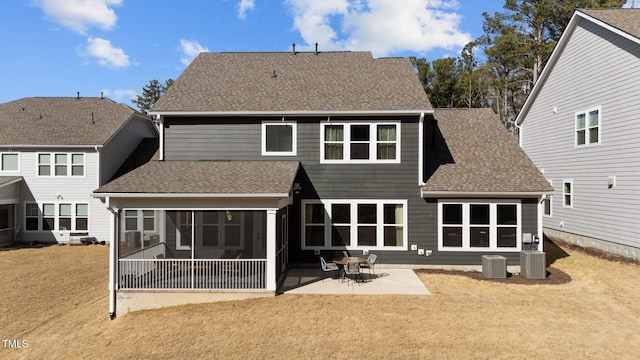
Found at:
<point>53,153</point>
<point>580,127</point>
<point>268,160</point>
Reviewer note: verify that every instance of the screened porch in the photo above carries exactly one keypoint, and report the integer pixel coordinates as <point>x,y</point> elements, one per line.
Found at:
<point>192,249</point>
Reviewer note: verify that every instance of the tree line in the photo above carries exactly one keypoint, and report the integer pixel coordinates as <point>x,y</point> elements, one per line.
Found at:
<point>513,50</point>
<point>496,70</point>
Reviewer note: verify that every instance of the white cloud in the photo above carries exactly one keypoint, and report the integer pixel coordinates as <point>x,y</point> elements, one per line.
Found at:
<point>106,54</point>
<point>190,49</point>
<point>121,95</point>
<point>243,7</point>
<point>78,15</point>
<point>382,26</point>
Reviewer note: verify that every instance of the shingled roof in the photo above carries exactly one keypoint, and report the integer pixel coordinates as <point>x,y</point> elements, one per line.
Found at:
<point>476,155</point>
<point>8,180</point>
<point>206,177</point>
<point>627,20</point>
<point>61,120</point>
<point>300,82</point>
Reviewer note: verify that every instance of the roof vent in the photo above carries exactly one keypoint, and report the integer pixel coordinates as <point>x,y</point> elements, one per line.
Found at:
<point>316,48</point>
<point>78,94</point>
<point>294,48</point>
<point>273,76</point>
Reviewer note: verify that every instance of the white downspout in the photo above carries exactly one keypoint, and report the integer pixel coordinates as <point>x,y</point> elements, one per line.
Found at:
<point>161,142</point>
<point>421,150</point>
<point>113,258</point>
<point>540,219</point>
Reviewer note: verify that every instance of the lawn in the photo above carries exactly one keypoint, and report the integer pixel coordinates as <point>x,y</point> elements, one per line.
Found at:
<point>55,299</point>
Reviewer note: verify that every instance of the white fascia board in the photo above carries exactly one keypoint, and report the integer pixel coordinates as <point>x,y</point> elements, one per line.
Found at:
<point>290,113</point>
<point>481,194</point>
<point>191,196</point>
<point>11,182</point>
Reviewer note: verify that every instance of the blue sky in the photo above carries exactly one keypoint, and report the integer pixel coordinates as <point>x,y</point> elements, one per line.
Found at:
<point>60,47</point>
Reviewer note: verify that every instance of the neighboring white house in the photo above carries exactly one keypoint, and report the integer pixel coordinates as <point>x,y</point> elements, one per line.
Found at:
<point>580,126</point>
<point>53,153</point>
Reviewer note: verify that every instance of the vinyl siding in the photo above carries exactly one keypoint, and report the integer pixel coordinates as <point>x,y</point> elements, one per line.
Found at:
<point>40,189</point>
<point>240,139</point>
<point>596,68</point>
<point>122,144</point>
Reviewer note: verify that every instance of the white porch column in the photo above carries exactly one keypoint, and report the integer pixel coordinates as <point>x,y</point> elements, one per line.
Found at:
<point>271,250</point>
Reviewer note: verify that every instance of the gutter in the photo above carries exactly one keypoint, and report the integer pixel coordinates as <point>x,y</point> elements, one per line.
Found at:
<point>289,113</point>
<point>481,194</point>
<point>190,195</point>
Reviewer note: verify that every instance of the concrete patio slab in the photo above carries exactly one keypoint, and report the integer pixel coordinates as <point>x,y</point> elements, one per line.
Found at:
<point>384,282</point>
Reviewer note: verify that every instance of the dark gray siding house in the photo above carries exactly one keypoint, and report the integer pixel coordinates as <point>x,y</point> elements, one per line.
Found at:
<point>268,160</point>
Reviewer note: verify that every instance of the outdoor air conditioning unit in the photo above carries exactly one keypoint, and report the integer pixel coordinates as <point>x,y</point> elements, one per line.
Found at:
<point>533,264</point>
<point>494,266</point>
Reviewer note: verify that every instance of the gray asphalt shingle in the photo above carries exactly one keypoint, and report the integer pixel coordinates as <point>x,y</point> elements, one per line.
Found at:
<point>61,120</point>
<point>477,154</point>
<point>327,81</point>
<point>207,177</point>
<point>627,20</point>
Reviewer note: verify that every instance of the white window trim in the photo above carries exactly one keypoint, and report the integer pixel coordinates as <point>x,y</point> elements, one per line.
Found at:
<point>493,246</point>
<point>586,127</point>
<point>52,164</point>
<point>2,162</point>
<point>354,224</point>
<point>564,205</point>
<point>550,199</point>
<point>56,216</point>
<point>294,139</point>
<point>373,148</point>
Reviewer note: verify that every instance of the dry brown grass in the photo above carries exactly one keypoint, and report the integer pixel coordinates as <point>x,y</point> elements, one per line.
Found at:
<point>56,298</point>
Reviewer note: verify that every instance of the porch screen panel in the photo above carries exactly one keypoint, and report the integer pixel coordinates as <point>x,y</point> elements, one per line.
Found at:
<point>210,228</point>
<point>233,228</point>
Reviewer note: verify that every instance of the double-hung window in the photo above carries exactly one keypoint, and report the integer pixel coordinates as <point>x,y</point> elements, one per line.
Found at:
<point>479,226</point>
<point>567,193</point>
<point>9,162</point>
<point>354,224</point>
<point>548,203</point>
<point>360,142</point>
<point>279,138</point>
<point>588,127</point>
<point>56,217</point>
<point>61,164</point>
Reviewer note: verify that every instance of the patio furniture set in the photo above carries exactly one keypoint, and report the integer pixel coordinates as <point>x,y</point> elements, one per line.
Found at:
<point>349,267</point>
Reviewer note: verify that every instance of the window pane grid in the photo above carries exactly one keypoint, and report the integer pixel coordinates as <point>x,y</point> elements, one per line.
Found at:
<point>354,224</point>
<point>477,226</point>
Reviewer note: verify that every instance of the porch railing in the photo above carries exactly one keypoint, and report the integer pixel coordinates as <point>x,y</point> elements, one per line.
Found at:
<point>171,274</point>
